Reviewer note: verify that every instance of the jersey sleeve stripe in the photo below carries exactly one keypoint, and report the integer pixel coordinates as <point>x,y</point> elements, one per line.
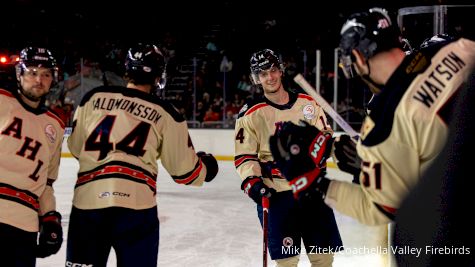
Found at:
<point>254,108</point>
<point>305,97</point>
<point>189,177</point>
<point>240,159</point>
<point>60,121</point>
<point>5,92</point>
<point>22,197</point>
<point>386,210</point>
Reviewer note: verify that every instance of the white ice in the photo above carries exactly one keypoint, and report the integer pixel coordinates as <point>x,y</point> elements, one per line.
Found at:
<point>216,225</point>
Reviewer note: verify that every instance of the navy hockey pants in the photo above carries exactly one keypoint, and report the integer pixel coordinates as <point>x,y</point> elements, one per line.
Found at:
<point>134,235</point>
<point>17,247</point>
<point>290,222</point>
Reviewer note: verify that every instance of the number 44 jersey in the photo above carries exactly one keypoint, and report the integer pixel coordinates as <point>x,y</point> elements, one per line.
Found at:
<point>118,135</point>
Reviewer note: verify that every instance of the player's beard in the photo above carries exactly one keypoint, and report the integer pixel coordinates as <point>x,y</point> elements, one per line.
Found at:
<point>32,95</point>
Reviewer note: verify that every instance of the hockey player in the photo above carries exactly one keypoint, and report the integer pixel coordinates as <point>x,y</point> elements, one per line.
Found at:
<point>439,200</point>
<point>289,222</point>
<point>119,133</point>
<point>407,124</point>
<point>30,138</point>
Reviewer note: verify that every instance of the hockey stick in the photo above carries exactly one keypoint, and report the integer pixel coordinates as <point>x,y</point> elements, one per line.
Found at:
<point>265,228</point>
<point>300,80</point>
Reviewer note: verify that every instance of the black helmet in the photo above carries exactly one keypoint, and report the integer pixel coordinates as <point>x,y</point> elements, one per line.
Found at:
<point>144,64</point>
<point>436,39</point>
<point>263,60</point>
<point>369,32</point>
<point>37,57</point>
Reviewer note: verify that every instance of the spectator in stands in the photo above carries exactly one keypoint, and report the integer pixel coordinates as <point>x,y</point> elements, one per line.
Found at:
<point>212,114</point>
<point>200,111</point>
<point>244,84</point>
<point>82,82</point>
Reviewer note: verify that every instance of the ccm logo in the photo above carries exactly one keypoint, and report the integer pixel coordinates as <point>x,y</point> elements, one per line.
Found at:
<point>299,184</point>
<point>108,194</point>
<point>317,145</point>
<point>72,264</point>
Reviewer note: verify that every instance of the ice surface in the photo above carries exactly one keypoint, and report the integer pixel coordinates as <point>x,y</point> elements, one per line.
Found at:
<point>216,225</point>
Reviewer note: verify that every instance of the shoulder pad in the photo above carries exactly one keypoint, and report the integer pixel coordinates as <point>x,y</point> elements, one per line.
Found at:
<point>250,104</point>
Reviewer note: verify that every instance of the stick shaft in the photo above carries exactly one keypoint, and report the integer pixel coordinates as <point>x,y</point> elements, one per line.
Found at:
<point>300,80</point>
<point>265,229</point>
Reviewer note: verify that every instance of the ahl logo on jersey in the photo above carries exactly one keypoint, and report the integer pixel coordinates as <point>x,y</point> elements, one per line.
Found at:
<point>50,132</point>
<point>308,112</point>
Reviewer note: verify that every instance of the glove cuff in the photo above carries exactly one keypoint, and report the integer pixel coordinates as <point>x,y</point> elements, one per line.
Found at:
<point>211,165</point>
<point>322,185</point>
<point>51,216</point>
<point>247,184</point>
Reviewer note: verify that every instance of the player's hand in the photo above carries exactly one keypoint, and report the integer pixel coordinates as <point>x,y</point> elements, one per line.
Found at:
<point>255,188</point>
<point>269,170</point>
<point>51,234</point>
<point>346,156</point>
<point>211,165</point>
<point>300,152</point>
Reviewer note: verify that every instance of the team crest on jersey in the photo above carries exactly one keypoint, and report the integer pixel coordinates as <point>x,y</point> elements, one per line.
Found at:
<point>309,112</point>
<point>50,132</point>
<point>368,125</point>
<point>243,109</point>
<point>287,241</point>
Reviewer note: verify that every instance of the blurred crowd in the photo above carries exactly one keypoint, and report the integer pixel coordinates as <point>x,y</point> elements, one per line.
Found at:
<point>208,91</point>
<point>208,51</point>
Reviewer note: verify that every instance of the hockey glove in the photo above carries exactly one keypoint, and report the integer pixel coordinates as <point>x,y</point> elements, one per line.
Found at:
<point>211,165</point>
<point>300,152</point>
<point>255,188</point>
<point>51,234</point>
<point>346,155</point>
<point>270,170</point>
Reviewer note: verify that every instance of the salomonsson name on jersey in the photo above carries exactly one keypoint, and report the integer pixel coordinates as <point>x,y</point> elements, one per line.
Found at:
<point>126,146</point>
<point>30,160</point>
<point>259,120</point>
<point>406,128</point>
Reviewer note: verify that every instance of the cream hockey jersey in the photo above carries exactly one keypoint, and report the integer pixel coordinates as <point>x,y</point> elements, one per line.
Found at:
<point>257,121</point>
<point>405,130</point>
<point>118,135</point>
<point>30,141</point>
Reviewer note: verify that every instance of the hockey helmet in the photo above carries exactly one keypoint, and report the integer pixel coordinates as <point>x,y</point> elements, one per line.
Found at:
<point>436,39</point>
<point>145,63</point>
<point>263,60</point>
<point>368,32</point>
<point>37,57</point>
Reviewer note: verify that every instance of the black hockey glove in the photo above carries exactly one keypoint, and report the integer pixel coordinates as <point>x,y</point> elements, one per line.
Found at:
<point>300,152</point>
<point>211,165</point>
<point>346,156</point>
<point>51,234</point>
<point>269,170</point>
<point>255,188</point>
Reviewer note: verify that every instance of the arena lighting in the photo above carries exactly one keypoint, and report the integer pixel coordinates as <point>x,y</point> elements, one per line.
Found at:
<point>4,59</point>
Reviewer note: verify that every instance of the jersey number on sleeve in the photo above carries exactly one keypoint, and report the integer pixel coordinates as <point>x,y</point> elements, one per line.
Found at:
<point>240,135</point>
<point>133,143</point>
